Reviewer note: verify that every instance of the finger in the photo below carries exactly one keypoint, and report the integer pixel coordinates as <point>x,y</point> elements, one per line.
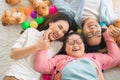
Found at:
<point>114,33</point>
<point>46,34</point>
<point>117,30</point>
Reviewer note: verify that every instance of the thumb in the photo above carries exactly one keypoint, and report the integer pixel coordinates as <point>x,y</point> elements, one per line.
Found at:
<point>46,35</point>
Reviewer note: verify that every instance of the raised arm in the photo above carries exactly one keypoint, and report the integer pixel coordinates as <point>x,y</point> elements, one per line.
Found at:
<point>113,57</point>
<point>26,45</point>
<point>42,64</point>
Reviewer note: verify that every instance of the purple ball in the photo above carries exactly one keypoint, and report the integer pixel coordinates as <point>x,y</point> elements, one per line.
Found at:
<point>34,14</point>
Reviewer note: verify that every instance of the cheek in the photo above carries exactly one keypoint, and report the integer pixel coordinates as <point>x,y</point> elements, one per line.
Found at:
<point>68,49</point>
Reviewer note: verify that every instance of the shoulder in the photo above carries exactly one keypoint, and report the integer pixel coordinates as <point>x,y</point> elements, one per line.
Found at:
<point>33,31</point>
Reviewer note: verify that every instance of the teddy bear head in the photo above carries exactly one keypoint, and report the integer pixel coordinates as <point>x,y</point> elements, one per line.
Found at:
<point>41,7</point>
<point>12,2</point>
<point>12,17</point>
<point>116,24</point>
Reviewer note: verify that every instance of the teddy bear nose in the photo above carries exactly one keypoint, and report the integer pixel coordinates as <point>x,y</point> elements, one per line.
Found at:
<point>18,19</point>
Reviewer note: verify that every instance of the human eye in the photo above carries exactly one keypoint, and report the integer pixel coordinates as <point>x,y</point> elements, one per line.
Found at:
<point>70,42</point>
<point>64,32</point>
<point>59,26</point>
<point>98,33</point>
<point>79,41</point>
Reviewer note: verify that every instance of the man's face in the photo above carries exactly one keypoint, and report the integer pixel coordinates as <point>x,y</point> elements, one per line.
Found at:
<point>92,31</point>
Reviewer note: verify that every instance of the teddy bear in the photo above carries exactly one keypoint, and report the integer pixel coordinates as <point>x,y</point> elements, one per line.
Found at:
<point>117,39</point>
<point>12,2</point>
<point>41,7</point>
<point>116,24</point>
<point>13,16</point>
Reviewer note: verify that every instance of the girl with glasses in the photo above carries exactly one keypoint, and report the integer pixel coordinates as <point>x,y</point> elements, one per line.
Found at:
<point>74,64</point>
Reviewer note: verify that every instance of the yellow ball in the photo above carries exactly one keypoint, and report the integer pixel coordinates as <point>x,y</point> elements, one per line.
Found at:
<point>79,30</point>
<point>33,24</point>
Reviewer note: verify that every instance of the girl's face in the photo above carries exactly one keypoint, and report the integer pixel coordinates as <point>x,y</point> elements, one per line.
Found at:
<point>75,46</point>
<point>58,29</point>
<point>92,31</point>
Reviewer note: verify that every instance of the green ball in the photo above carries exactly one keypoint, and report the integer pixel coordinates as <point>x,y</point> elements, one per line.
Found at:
<point>25,25</point>
<point>40,20</point>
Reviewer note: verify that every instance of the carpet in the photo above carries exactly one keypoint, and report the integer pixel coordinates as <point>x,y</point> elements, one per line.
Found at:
<point>9,34</point>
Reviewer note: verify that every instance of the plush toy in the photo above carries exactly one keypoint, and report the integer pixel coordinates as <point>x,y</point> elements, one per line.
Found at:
<point>12,2</point>
<point>117,39</point>
<point>116,24</point>
<point>41,7</point>
<point>13,17</point>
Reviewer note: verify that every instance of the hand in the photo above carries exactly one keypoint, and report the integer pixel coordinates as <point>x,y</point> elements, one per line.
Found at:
<point>115,32</point>
<point>44,42</point>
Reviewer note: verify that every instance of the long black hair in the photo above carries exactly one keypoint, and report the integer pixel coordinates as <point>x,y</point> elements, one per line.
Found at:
<point>56,17</point>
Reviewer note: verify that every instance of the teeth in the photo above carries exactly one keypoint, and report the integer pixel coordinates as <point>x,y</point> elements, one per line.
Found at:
<point>75,49</point>
<point>93,26</point>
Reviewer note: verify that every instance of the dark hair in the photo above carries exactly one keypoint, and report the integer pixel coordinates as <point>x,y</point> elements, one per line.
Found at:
<point>62,50</point>
<point>56,17</point>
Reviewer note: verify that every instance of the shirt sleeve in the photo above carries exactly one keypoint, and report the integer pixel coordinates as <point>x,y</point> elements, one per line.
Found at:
<point>113,57</point>
<point>20,42</point>
<point>42,64</point>
<point>64,7</point>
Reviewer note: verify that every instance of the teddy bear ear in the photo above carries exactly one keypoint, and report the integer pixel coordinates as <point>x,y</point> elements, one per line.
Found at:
<point>6,1</point>
<point>4,21</point>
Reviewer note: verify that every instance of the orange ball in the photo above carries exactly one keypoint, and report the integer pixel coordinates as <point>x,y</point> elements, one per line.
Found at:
<point>28,11</point>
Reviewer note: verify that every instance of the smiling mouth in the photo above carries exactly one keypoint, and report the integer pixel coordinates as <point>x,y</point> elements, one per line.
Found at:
<point>92,26</point>
<point>55,36</point>
<point>75,50</point>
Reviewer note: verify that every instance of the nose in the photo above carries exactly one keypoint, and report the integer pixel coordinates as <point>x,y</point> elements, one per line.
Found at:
<point>75,43</point>
<point>60,32</point>
<point>93,31</point>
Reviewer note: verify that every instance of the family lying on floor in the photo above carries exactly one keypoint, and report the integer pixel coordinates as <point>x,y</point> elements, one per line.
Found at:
<point>55,51</point>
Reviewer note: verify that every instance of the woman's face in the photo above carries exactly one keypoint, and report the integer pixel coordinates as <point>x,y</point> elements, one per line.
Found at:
<point>92,32</point>
<point>75,46</point>
<point>58,29</point>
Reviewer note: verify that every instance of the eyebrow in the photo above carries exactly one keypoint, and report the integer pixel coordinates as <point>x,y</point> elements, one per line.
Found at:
<point>62,28</point>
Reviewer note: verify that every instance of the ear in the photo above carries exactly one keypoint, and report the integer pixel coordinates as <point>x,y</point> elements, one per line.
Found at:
<point>50,23</point>
<point>6,1</point>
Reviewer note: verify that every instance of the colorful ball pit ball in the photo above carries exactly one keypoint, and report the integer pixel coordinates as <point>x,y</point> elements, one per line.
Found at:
<point>52,10</point>
<point>34,14</point>
<point>25,25</point>
<point>40,20</point>
<point>33,24</point>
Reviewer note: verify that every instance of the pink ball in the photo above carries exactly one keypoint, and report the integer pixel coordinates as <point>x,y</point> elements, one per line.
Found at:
<point>46,77</point>
<point>52,10</point>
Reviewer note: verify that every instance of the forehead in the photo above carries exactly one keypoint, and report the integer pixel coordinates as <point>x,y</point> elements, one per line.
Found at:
<point>63,23</point>
<point>74,36</point>
<point>90,20</point>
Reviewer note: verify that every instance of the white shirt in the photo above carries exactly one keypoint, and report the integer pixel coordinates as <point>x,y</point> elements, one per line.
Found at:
<point>91,9</point>
<point>23,68</point>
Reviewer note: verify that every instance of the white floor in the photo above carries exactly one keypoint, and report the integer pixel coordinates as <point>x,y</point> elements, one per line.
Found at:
<point>8,36</point>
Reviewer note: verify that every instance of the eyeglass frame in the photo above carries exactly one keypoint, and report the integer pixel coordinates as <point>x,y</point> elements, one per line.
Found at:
<point>77,41</point>
<point>91,34</point>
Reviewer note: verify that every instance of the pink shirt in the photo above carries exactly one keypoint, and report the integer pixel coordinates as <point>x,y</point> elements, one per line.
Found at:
<point>102,61</point>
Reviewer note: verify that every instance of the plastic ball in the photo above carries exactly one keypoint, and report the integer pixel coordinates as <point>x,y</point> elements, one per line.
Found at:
<point>34,14</point>
<point>33,24</point>
<point>52,10</point>
<point>28,11</point>
<point>79,30</point>
<point>25,25</point>
<point>40,20</point>
<point>102,24</point>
